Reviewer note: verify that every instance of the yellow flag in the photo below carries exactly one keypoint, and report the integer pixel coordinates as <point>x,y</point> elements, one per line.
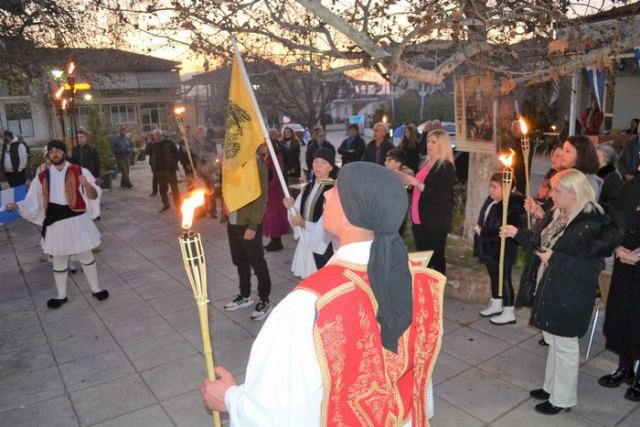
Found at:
<point>243,136</point>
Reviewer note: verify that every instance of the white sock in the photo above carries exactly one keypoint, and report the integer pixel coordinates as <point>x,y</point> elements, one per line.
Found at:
<point>90,270</point>
<point>60,274</point>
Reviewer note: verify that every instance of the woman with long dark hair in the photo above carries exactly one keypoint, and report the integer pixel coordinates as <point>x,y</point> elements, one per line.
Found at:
<point>409,145</point>
<point>291,141</point>
<point>432,199</point>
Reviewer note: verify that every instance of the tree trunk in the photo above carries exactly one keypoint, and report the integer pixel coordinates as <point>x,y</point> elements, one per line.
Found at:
<point>481,167</point>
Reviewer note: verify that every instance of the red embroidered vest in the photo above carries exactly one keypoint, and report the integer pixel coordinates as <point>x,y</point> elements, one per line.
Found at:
<point>365,384</point>
<point>71,188</point>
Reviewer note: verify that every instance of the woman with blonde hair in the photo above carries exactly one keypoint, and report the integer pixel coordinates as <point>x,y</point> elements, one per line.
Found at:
<point>570,243</point>
<point>432,198</point>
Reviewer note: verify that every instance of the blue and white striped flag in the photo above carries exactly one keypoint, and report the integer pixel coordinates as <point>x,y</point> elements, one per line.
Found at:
<point>596,81</point>
<point>636,51</point>
<point>11,195</point>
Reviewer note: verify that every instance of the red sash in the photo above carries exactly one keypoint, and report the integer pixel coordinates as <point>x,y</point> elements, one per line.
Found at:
<point>71,188</point>
<point>365,384</point>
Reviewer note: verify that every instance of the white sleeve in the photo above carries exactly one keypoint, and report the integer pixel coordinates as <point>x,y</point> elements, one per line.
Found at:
<point>319,237</point>
<point>93,205</point>
<point>24,157</point>
<point>283,385</point>
<point>31,208</point>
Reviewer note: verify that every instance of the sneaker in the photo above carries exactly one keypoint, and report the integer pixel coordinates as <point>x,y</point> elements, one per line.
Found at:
<point>261,310</point>
<point>238,302</point>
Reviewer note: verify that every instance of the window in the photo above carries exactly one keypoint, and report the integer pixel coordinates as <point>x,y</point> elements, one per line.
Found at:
<point>154,116</point>
<point>121,114</point>
<point>82,117</point>
<point>19,119</point>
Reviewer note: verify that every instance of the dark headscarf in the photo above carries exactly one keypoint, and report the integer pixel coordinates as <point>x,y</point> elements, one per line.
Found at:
<point>373,198</point>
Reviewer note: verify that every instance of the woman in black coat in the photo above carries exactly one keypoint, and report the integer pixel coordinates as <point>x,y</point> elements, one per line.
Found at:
<point>432,199</point>
<point>612,180</point>
<point>292,161</point>
<point>622,319</point>
<point>572,241</point>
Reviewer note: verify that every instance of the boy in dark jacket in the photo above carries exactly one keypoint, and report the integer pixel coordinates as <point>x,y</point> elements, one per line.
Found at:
<point>486,247</point>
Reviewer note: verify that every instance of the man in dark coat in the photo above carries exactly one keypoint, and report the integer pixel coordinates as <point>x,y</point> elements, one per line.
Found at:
<point>165,158</point>
<point>622,320</point>
<point>352,148</point>
<point>376,150</point>
<point>85,154</point>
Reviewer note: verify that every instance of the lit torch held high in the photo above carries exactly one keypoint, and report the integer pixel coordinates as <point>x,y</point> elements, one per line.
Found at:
<point>524,144</point>
<point>507,182</point>
<point>196,269</point>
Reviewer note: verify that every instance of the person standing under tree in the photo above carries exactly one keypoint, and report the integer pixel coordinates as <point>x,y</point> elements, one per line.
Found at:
<point>365,328</point>
<point>122,147</point>
<point>64,199</point>
<point>85,155</point>
<point>165,159</point>
<point>14,160</point>
<point>244,228</point>
<point>486,247</point>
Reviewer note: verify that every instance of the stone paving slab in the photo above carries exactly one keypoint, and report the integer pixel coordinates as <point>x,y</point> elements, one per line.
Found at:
<point>135,359</point>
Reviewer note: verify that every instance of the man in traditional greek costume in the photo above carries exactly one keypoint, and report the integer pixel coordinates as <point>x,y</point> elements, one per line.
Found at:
<point>355,343</point>
<point>64,199</point>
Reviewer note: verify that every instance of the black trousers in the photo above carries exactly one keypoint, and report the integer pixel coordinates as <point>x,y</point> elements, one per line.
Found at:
<point>507,289</point>
<point>15,178</point>
<point>247,255</point>
<point>431,240</point>
<point>154,183</point>
<point>123,167</point>
<point>166,179</point>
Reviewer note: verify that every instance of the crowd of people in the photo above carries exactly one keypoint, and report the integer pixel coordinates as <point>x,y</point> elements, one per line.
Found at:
<point>322,352</point>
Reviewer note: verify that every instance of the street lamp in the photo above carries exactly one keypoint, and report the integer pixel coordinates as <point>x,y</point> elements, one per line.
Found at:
<point>57,73</point>
<point>88,97</point>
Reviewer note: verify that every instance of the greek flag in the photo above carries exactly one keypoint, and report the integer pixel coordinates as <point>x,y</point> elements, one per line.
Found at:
<point>11,195</point>
<point>636,50</point>
<point>596,81</point>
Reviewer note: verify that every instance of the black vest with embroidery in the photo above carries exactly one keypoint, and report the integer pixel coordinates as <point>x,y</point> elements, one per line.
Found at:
<point>318,200</point>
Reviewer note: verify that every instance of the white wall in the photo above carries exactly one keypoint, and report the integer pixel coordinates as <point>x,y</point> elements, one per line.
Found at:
<point>626,105</point>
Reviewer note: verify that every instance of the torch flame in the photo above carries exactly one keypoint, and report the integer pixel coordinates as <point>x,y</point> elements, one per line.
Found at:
<point>189,206</point>
<point>179,109</point>
<point>71,68</point>
<point>59,92</point>
<point>523,126</point>
<point>507,160</point>
<point>384,119</point>
<point>64,104</point>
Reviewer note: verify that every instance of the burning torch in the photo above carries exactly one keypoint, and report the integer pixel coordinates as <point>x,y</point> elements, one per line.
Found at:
<point>524,144</point>
<point>507,182</point>
<point>196,268</point>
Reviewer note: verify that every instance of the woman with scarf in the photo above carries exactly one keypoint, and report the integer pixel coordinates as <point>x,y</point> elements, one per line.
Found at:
<point>570,243</point>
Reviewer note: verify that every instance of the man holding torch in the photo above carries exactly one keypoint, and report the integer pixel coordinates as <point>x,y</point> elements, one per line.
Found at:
<point>355,343</point>
<point>64,199</point>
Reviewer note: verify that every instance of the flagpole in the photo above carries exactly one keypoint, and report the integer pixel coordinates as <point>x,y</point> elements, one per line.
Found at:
<point>265,132</point>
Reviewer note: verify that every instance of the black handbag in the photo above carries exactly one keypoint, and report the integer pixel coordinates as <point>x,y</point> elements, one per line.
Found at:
<point>528,281</point>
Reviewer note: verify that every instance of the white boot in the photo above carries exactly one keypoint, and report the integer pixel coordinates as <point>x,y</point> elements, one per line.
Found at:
<point>495,307</point>
<point>507,317</point>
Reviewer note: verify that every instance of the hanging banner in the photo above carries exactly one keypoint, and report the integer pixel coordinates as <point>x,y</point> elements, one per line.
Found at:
<point>636,51</point>
<point>596,83</point>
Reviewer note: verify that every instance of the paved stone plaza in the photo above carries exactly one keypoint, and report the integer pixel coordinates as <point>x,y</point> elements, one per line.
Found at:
<point>134,360</point>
